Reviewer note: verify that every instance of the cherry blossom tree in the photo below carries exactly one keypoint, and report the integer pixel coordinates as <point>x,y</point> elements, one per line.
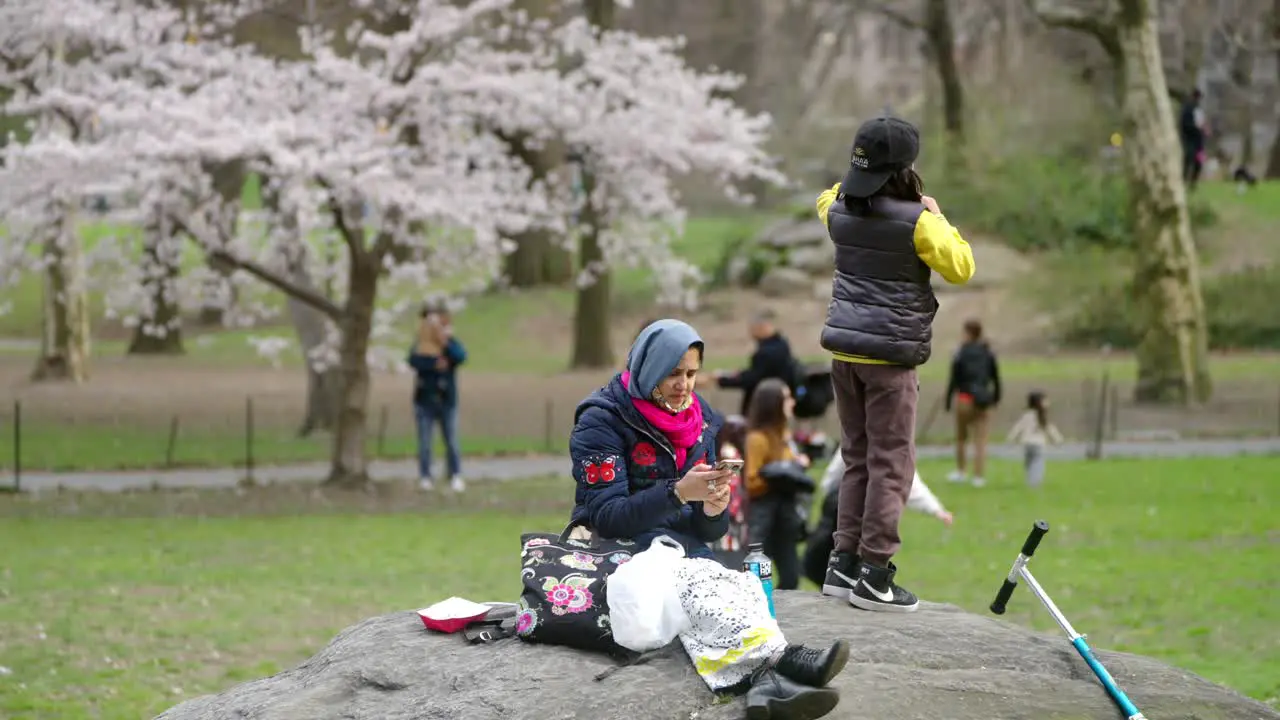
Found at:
<point>400,150</point>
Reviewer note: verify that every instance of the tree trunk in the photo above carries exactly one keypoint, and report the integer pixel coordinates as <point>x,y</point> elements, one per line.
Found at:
<point>310,324</point>
<point>1241,70</point>
<point>159,330</point>
<point>312,327</point>
<point>1273,163</point>
<point>537,259</point>
<point>1172,351</point>
<point>219,294</point>
<point>64,342</point>
<point>941,33</point>
<point>592,347</point>
<point>348,467</point>
<point>601,13</point>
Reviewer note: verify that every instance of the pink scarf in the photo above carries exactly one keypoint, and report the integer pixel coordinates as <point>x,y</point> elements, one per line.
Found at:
<point>681,429</point>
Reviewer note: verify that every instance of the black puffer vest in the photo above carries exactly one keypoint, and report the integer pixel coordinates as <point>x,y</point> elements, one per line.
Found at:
<point>882,305</point>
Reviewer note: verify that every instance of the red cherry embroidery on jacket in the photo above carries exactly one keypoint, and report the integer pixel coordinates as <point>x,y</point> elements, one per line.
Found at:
<point>592,471</point>
<point>606,471</point>
<point>644,454</point>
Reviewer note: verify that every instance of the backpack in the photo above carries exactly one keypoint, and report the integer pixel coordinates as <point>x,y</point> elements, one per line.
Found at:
<point>813,391</point>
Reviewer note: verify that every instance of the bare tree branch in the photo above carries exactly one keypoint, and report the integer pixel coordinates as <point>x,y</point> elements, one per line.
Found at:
<point>891,12</point>
<point>288,287</point>
<point>1101,25</point>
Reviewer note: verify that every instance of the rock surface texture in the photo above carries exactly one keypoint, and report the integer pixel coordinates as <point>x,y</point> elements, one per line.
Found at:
<point>937,664</point>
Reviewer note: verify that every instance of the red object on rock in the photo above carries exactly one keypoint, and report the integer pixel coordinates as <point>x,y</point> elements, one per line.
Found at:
<point>452,615</point>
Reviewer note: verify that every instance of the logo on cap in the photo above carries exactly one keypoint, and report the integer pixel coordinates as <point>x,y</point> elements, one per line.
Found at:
<point>859,158</point>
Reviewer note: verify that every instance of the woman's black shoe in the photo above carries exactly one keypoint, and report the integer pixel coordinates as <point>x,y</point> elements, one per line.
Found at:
<point>775,697</point>
<point>813,667</point>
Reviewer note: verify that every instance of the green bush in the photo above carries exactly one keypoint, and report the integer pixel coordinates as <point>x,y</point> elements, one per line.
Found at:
<point>1044,202</point>
<point>1063,201</point>
<point>1240,308</point>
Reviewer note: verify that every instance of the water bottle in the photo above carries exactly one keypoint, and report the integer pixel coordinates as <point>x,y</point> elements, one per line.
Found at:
<point>759,564</point>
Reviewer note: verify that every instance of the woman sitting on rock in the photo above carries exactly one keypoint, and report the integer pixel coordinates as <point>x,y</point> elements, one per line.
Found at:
<point>655,439</point>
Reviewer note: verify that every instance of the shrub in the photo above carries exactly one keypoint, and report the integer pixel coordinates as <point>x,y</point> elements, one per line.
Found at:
<point>1240,308</point>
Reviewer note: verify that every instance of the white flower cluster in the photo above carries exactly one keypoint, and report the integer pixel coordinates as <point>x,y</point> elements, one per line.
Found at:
<point>387,150</point>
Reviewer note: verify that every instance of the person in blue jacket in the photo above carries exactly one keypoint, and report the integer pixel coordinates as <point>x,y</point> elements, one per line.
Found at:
<point>435,359</point>
<point>643,454</point>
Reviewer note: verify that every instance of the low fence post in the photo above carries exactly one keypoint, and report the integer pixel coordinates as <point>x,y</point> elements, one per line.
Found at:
<point>547,421</point>
<point>383,416</point>
<point>171,448</point>
<point>1114,431</point>
<point>1099,421</point>
<point>17,446</point>
<point>248,438</point>
<point>1086,414</point>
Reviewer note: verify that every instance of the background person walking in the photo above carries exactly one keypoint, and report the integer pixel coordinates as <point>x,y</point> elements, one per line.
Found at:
<point>974,386</point>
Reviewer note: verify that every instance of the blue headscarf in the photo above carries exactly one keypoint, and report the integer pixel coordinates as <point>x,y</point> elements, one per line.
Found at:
<point>656,352</point>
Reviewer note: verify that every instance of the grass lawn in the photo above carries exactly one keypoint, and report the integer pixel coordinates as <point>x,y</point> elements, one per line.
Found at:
<point>212,442</point>
<point>120,606</point>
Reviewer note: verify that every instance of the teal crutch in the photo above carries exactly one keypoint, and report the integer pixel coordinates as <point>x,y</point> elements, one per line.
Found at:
<point>1019,570</point>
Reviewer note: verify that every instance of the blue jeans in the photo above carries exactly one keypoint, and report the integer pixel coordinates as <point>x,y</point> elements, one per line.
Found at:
<point>447,416</point>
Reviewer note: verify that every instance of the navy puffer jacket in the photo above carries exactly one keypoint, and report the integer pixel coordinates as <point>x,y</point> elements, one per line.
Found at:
<point>624,469</point>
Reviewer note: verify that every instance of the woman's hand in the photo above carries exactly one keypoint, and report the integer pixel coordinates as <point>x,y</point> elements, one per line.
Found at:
<point>804,461</point>
<point>702,482</point>
<point>931,204</point>
<point>717,503</point>
<point>945,517</point>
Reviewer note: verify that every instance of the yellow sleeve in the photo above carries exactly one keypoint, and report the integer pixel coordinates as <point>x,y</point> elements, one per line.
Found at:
<point>940,246</point>
<point>756,457</point>
<point>824,201</point>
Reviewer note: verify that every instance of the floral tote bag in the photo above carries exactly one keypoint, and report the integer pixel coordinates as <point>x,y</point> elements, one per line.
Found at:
<point>565,585</point>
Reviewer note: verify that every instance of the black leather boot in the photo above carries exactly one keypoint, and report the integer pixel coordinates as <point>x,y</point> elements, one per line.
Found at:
<point>808,666</point>
<point>774,697</point>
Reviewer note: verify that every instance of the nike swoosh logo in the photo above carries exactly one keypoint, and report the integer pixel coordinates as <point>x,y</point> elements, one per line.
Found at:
<point>846,578</point>
<point>883,596</point>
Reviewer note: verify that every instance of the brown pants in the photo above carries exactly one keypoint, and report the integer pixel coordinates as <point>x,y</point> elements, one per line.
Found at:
<point>877,407</point>
<point>971,424</point>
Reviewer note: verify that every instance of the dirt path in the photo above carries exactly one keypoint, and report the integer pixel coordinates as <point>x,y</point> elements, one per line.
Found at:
<point>542,466</point>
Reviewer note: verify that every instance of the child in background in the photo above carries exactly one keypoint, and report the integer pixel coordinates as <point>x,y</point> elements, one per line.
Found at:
<point>1035,431</point>
<point>773,519</point>
<point>821,542</point>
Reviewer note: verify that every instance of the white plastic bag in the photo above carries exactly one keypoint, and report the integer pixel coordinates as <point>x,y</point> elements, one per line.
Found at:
<point>644,598</point>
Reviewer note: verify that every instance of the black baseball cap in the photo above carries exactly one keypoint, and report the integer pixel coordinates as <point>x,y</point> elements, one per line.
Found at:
<point>882,147</point>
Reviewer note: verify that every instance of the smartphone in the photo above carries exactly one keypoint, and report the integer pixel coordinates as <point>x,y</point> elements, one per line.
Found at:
<point>731,464</point>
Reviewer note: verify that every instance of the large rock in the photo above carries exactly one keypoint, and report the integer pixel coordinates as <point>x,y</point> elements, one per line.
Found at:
<point>814,259</point>
<point>791,233</point>
<point>785,281</point>
<point>939,663</point>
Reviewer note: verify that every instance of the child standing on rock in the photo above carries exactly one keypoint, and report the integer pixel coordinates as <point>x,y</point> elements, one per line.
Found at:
<point>889,238</point>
